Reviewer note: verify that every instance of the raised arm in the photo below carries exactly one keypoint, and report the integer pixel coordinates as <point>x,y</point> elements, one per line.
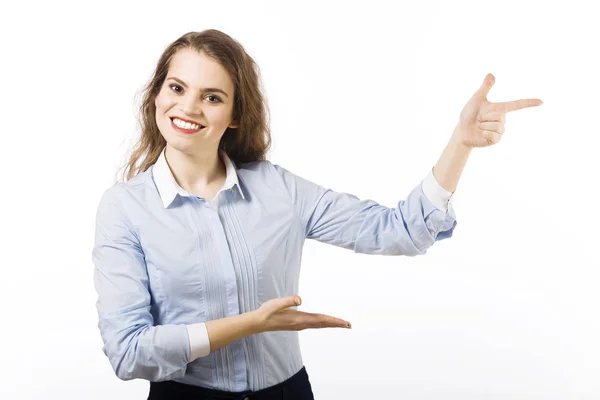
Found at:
<point>414,224</point>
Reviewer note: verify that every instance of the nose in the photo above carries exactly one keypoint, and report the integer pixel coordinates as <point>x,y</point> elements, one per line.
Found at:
<point>191,105</point>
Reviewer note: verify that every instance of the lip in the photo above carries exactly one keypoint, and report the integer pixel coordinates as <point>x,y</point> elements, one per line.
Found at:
<point>187,120</point>
<point>186,131</point>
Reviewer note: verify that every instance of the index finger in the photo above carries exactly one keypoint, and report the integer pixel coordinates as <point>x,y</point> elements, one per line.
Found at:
<point>328,321</point>
<point>514,105</point>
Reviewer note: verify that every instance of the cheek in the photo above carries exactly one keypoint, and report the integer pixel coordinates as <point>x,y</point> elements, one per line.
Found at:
<point>220,115</point>
<point>163,102</point>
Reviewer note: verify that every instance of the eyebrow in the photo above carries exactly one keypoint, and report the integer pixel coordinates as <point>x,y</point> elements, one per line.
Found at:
<point>182,83</point>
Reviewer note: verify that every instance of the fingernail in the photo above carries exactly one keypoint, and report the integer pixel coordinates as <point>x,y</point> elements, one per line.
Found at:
<point>348,325</point>
<point>297,301</point>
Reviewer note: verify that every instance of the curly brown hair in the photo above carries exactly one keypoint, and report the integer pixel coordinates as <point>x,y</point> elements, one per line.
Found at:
<point>249,142</point>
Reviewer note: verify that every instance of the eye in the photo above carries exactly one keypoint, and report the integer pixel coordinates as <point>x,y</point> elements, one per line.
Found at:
<point>217,99</point>
<point>175,86</point>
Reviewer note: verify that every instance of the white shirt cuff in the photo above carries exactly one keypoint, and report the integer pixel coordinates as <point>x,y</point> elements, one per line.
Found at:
<point>439,197</point>
<point>199,340</point>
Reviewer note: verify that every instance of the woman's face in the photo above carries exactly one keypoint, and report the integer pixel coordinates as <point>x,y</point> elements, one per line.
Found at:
<point>197,90</point>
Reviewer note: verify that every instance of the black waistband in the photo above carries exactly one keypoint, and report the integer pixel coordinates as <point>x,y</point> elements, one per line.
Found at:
<point>299,382</point>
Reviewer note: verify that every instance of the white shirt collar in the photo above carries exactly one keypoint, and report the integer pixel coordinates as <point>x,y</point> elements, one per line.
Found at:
<point>168,187</point>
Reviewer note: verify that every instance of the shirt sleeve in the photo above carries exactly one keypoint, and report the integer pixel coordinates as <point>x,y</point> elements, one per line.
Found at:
<point>436,193</point>
<point>364,226</point>
<point>199,340</point>
<point>134,347</point>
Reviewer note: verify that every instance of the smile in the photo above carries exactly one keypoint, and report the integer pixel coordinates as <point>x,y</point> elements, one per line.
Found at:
<point>185,127</point>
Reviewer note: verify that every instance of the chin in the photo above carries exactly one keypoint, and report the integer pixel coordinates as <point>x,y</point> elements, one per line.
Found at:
<point>181,145</point>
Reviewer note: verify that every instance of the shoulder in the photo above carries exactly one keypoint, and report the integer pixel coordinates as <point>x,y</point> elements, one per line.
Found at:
<point>254,166</point>
<point>256,170</point>
<point>265,174</point>
<point>119,194</point>
<point>264,169</point>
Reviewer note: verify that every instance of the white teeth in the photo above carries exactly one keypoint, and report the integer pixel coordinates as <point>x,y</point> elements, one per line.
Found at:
<point>185,125</point>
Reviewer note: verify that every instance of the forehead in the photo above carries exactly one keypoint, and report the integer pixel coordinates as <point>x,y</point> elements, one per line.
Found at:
<point>198,70</point>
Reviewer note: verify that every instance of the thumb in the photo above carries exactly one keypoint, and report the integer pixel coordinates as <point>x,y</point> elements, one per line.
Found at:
<point>290,301</point>
<point>296,300</point>
<point>487,84</point>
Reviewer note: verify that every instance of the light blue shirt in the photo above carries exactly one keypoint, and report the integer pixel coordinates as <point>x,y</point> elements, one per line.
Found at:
<point>166,260</point>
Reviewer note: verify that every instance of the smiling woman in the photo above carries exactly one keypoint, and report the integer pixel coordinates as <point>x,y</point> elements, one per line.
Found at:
<point>198,250</point>
<point>194,107</point>
<point>196,80</point>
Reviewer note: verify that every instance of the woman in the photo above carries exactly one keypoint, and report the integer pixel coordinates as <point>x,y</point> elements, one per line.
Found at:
<point>197,253</point>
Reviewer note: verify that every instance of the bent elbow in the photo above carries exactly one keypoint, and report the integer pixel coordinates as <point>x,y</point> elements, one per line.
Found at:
<point>124,367</point>
<point>135,364</point>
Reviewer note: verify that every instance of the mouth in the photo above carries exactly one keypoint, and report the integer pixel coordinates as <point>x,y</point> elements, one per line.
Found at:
<point>185,127</point>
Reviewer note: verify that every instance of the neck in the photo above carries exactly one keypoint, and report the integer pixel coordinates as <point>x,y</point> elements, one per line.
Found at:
<point>197,170</point>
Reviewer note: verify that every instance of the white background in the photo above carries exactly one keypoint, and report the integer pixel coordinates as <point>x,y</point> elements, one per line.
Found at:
<point>363,99</point>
